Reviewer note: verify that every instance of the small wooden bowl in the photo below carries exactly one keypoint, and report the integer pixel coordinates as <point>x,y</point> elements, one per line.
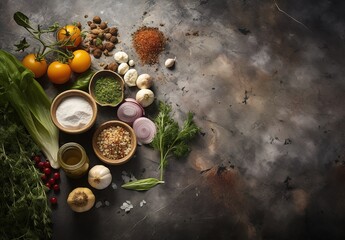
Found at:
<point>106,73</point>
<point>114,161</point>
<point>73,93</point>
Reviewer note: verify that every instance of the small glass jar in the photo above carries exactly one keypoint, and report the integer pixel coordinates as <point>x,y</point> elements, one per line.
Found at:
<point>73,159</point>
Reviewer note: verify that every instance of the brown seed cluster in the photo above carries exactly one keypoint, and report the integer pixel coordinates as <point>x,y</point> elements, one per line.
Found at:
<point>114,142</point>
<point>101,38</point>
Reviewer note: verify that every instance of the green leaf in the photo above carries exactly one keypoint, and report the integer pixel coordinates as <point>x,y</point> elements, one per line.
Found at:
<point>142,184</point>
<point>22,45</point>
<point>54,27</point>
<point>82,81</point>
<point>22,20</point>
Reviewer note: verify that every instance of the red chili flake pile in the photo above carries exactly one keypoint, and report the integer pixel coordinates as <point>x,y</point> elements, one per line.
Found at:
<point>148,42</point>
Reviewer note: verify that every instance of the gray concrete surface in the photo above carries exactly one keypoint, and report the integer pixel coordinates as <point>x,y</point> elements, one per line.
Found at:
<point>265,80</point>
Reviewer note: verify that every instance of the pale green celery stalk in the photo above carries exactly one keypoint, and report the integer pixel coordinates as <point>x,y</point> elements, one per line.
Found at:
<point>26,95</point>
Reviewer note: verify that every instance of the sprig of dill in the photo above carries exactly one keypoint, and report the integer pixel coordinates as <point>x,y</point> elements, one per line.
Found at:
<point>170,140</point>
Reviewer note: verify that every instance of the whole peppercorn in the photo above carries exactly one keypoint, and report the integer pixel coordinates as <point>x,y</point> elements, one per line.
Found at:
<point>97,19</point>
<point>113,31</point>
<point>97,53</point>
<point>93,26</point>
<point>108,36</point>
<point>112,66</point>
<point>103,25</point>
<point>114,39</point>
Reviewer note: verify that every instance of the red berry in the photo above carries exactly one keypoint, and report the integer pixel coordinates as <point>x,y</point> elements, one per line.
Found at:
<point>47,171</point>
<point>53,200</point>
<point>40,165</point>
<point>56,188</point>
<point>46,164</point>
<point>51,181</point>
<point>56,176</point>
<point>37,159</point>
<point>43,177</point>
<point>48,185</point>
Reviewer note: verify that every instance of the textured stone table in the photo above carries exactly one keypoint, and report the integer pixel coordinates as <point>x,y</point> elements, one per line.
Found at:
<point>266,84</point>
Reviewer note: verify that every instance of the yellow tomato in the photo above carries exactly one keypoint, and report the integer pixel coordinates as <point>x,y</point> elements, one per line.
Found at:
<point>80,62</point>
<point>59,73</point>
<point>39,68</point>
<point>69,35</point>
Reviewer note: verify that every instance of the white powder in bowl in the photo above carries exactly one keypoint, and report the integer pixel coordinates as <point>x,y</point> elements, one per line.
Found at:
<point>74,112</point>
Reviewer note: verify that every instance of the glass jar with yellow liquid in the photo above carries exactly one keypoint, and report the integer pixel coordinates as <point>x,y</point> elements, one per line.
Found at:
<point>73,159</point>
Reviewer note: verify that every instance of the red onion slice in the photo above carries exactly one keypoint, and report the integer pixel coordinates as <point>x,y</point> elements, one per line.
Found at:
<point>128,112</point>
<point>135,101</point>
<point>144,129</point>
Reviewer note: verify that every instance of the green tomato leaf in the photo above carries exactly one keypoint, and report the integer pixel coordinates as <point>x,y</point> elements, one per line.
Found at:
<point>22,20</point>
<point>22,45</point>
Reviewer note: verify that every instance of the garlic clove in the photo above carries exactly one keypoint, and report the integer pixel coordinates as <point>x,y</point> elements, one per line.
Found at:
<point>131,63</point>
<point>170,62</point>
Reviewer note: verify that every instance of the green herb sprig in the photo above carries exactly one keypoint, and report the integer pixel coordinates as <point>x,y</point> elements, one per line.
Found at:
<point>24,209</point>
<point>170,140</point>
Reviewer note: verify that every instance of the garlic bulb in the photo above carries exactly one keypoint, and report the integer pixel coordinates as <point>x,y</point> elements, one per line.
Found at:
<point>121,57</point>
<point>144,81</point>
<point>131,77</point>
<point>81,199</point>
<point>145,97</point>
<point>170,62</point>
<point>123,68</point>
<point>99,177</point>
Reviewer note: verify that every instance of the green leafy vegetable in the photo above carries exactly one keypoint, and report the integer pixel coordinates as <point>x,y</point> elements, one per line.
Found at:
<point>142,185</point>
<point>27,97</point>
<point>170,141</point>
<point>24,209</point>
<point>82,81</point>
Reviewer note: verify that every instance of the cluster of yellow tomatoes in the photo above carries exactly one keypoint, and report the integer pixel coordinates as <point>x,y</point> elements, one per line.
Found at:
<point>60,72</point>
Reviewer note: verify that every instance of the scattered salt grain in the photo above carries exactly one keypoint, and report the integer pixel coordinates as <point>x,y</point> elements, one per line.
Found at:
<point>142,203</point>
<point>126,177</point>
<point>114,186</point>
<point>127,206</point>
<point>107,203</point>
<point>98,204</point>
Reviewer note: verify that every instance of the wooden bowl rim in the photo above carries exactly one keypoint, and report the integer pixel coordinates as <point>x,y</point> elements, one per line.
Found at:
<point>102,73</point>
<point>112,161</point>
<point>68,93</point>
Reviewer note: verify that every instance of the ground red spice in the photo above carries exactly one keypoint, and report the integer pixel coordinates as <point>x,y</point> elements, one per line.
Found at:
<point>148,42</point>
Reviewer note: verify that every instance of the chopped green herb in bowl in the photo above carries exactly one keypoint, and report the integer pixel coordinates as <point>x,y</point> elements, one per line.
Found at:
<point>107,88</point>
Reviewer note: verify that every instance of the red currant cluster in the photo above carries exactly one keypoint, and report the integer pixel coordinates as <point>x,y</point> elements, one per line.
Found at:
<point>49,176</point>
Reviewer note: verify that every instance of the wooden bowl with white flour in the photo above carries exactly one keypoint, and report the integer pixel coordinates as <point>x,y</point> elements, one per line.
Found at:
<point>73,111</point>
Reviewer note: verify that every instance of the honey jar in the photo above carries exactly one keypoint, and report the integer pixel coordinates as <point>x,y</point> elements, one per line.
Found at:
<point>73,159</point>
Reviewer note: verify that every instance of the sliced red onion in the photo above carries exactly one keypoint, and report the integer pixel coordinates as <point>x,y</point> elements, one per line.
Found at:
<point>129,111</point>
<point>144,129</point>
<point>135,101</point>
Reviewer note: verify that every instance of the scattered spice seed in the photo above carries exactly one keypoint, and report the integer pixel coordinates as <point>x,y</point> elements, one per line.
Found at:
<point>148,42</point>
